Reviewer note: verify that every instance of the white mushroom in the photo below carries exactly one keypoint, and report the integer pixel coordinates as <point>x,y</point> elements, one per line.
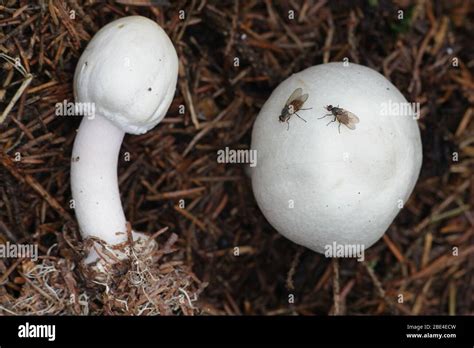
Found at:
<point>128,72</point>
<point>317,186</point>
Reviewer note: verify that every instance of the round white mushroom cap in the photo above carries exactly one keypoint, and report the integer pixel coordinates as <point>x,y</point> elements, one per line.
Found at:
<point>129,71</point>
<point>317,186</point>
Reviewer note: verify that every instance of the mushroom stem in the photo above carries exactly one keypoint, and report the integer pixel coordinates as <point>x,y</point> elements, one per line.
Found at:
<point>94,181</point>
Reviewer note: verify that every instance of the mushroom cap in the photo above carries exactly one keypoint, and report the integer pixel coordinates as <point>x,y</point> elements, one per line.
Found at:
<point>129,71</point>
<point>317,186</point>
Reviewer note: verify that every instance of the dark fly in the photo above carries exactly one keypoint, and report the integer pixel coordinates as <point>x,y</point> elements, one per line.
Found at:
<point>293,105</point>
<point>342,116</point>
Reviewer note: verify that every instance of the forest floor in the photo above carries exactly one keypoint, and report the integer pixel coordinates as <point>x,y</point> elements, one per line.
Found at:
<point>423,265</point>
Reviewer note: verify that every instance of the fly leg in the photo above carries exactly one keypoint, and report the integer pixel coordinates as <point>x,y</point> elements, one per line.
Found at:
<point>325,116</point>
<point>335,118</point>
<point>300,116</point>
<point>339,128</point>
<point>288,123</point>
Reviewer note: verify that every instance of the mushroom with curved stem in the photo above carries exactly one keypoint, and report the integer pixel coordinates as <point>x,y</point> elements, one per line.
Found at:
<point>128,74</point>
<point>321,188</point>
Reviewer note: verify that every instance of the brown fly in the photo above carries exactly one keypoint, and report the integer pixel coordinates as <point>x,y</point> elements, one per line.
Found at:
<point>342,116</point>
<point>292,105</point>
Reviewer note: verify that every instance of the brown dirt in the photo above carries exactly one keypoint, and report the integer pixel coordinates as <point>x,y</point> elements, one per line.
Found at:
<point>177,160</point>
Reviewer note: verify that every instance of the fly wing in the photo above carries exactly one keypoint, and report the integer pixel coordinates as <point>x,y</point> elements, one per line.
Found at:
<point>304,98</point>
<point>352,120</point>
<point>295,95</point>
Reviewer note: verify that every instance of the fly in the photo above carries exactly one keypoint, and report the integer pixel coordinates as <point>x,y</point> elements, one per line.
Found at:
<point>342,116</point>
<point>293,104</point>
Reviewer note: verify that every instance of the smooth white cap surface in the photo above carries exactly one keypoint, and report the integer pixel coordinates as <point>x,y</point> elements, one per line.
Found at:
<point>317,186</point>
<point>129,70</point>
